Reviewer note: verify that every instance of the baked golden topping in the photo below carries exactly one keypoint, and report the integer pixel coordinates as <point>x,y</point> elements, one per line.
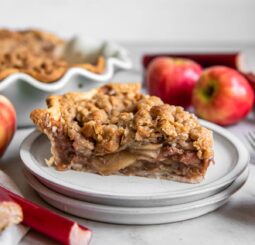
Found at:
<point>116,121</point>
<point>37,53</point>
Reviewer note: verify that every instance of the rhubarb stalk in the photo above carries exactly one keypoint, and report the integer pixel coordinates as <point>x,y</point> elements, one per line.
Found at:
<point>47,222</point>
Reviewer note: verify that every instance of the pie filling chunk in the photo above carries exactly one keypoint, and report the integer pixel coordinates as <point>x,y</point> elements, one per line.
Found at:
<point>117,130</point>
<point>10,214</point>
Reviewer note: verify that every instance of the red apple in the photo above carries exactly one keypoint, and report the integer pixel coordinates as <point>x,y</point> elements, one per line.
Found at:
<point>222,95</point>
<point>173,79</point>
<point>7,123</point>
<point>251,79</point>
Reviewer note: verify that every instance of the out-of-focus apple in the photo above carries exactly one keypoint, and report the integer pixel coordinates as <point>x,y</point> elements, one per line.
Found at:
<point>222,95</point>
<point>7,123</point>
<point>172,79</point>
<point>250,76</point>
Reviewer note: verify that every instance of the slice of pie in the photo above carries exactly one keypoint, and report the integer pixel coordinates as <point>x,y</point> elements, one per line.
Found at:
<point>117,130</point>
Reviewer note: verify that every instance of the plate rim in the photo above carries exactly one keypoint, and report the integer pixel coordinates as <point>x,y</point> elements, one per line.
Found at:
<point>218,197</point>
<point>243,160</point>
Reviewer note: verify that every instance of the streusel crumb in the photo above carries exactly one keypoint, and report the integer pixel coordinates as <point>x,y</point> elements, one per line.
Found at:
<point>118,114</point>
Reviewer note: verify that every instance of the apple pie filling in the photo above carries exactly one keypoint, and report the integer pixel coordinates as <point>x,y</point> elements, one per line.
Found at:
<point>150,160</point>
<point>117,130</point>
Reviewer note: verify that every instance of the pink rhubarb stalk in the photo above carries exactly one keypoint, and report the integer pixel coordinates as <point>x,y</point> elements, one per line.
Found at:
<point>47,222</point>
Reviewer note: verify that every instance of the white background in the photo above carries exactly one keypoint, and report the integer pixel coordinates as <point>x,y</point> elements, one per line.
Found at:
<point>179,21</point>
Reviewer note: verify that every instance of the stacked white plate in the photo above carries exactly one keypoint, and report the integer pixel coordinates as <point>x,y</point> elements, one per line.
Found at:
<point>136,200</point>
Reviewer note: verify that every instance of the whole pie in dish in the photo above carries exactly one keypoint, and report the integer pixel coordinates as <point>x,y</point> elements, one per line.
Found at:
<point>116,130</point>
<point>39,54</point>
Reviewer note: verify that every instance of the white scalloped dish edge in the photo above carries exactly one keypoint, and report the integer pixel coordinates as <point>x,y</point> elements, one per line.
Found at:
<point>116,58</point>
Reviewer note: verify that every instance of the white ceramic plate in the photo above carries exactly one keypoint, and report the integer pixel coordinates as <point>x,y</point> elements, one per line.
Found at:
<point>231,158</point>
<point>137,216</point>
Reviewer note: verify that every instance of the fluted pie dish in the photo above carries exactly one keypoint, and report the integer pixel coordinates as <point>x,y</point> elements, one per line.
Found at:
<point>39,54</point>
<point>116,130</point>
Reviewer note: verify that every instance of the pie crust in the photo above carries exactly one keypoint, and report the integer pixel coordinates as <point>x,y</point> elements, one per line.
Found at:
<point>117,130</point>
<point>39,54</point>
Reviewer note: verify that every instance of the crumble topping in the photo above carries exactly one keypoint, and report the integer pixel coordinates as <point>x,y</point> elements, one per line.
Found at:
<point>117,130</point>
<point>38,54</point>
<point>119,116</point>
<point>32,52</point>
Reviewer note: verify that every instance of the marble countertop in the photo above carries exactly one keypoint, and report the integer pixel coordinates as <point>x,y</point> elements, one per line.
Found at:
<point>231,224</point>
